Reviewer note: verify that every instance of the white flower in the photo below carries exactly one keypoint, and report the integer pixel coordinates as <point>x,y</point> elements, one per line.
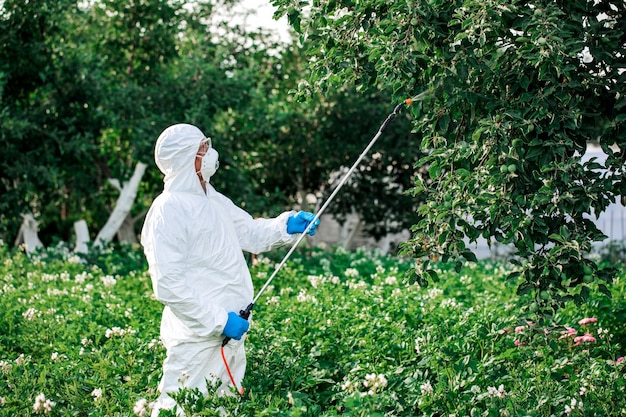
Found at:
<point>426,388</point>
<point>42,405</point>
<point>352,273</point>
<point>118,331</point>
<point>391,280</point>
<point>585,55</point>
<point>96,394</point>
<point>573,406</point>
<point>273,300</point>
<point>465,279</point>
<point>285,291</point>
<point>348,386</point>
<point>302,296</point>
<point>48,277</point>
<point>493,392</point>
<point>5,366</point>
<point>374,382</point>
<point>140,407</point>
<point>315,280</point>
<point>356,285</point>
<point>80,278</point>
<point>29,314</point>
<point>434,292</point>
<point>108,281</point>
<point>183,377</point>
<point>449,302</point>
<point>75,259</point>
<point>496,392</point>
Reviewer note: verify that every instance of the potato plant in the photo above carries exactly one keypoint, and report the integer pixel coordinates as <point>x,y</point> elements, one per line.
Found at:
<point>338,333</point>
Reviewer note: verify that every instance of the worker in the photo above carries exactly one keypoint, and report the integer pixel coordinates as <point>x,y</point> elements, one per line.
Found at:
<point>193,238</point>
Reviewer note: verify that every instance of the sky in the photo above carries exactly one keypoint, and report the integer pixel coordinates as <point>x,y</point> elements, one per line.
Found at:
<point>262,17</point>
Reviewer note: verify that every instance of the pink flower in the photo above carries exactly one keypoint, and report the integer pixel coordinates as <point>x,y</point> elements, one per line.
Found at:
<point>587,320</point>
<point>568,332</point>
<point>518,343</point>
<point>520,329</point>
<point>584,339</point>
<point>619,360</point>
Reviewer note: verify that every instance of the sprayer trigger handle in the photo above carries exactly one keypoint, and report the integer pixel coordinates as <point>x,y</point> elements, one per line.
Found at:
<point>245,314</point>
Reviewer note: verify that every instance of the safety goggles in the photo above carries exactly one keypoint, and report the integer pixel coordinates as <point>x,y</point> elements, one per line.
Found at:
<point>205,145</point>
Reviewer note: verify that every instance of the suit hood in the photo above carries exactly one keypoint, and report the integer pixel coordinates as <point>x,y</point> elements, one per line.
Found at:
<point>175,154</point>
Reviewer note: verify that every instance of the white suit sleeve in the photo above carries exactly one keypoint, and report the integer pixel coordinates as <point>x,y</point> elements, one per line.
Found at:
<point>260,235</point>
<point>167,249</point>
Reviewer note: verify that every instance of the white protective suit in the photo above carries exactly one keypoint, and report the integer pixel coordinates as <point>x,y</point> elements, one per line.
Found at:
<point>194,245</point>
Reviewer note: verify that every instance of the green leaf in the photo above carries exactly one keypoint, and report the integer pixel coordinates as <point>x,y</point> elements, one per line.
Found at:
<point>557,238</point>
<point>604,290</point>
<point>469,255</point>
<point>433,275</point>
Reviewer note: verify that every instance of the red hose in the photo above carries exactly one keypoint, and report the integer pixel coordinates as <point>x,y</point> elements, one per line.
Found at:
<point>230,373</point>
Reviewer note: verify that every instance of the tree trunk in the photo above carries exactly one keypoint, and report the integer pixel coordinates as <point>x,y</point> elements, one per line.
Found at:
<point>82,236</point>
<point>126,232</point>
<point>354,233</point>
<point>28,234</point>
<point>122,207</point>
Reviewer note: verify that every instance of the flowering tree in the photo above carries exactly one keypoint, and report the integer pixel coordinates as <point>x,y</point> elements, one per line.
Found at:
<point>513,92</point>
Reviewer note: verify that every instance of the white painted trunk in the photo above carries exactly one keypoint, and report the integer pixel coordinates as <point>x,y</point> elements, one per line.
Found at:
<point>28,234</point>
<point>354,233</point>
<point>82,236</point>
<point>126,232</point>
<point>122,207</point>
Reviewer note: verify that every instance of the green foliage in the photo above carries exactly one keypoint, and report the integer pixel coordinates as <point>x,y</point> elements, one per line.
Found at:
<point>513,92</point>
<point>84,338</point>
<point>286,150</point>
<point>88,86</point>
<point>338,333</point>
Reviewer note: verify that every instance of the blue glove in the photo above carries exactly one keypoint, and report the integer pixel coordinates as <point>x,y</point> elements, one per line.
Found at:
<point>300,221</point>
<point>235,326</point>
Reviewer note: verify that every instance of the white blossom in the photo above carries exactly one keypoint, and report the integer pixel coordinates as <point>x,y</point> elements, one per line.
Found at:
<point>585,55</point>
<point>374,382</point>
<point>96,394</point>
<point>391,280</point>
<point>573,406</point>
<point>352,273</point>
<point>43,405</point>
<point>426,388</point>
<point>142,408</point>
<point>30,314</point>
<point>108,280</point>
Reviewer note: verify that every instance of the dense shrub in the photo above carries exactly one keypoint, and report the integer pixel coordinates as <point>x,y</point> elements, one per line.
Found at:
<point>337,333</point>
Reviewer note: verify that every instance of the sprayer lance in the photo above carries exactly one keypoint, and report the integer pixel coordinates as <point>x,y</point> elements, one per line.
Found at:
<point>246,313</point>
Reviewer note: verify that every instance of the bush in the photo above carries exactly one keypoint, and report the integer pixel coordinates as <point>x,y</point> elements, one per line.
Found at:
<point>337,333</point>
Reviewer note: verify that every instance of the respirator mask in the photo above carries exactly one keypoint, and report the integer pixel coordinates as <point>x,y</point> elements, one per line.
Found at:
<point>210,162</point>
